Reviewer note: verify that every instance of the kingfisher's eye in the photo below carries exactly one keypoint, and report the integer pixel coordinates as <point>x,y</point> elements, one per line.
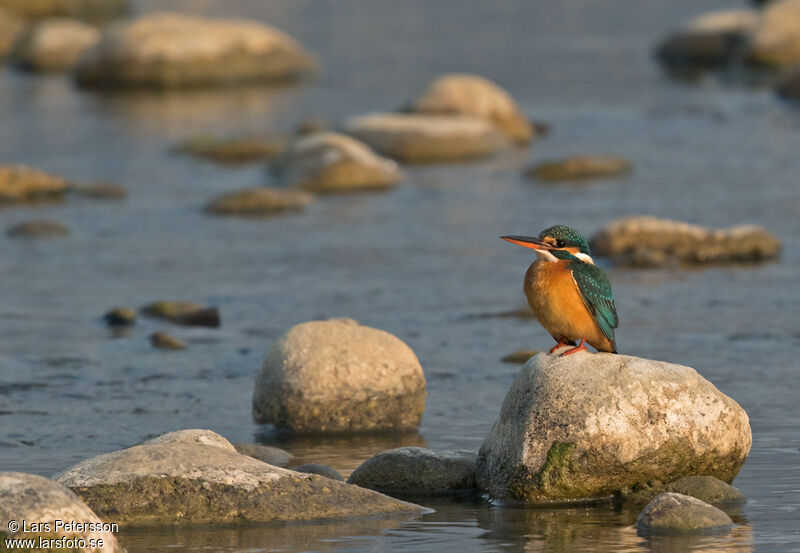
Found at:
<point>559,243</point>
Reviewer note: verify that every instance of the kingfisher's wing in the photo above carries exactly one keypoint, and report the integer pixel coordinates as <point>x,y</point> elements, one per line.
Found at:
<point>595,290</point>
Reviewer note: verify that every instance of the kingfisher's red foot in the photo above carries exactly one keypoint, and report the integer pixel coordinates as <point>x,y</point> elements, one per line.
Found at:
<point>576,349</point>
<point>561,343</point>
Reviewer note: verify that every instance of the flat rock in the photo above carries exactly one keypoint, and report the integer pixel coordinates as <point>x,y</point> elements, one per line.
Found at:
<point>40,228</point>
<point>710,40</point>
<point>163,484</point>
<point>705,488</point>
<point>327,162</point>
<point>36,499</point>
<point>170,50</point>
<point>775,41</point>
<point>422,138</point>
<point>268,454</point>
<point>23,184</point>
<point>257,202</point>
<point>184,313</point>
<point>54,45</point>
<point>120,316</point>
<point>164,340</point>
<point>337,375</point>
<point>465,94</point>
<point>591,425</point>
<point>417,471</point>
<point>237,149</point>
<point>93,10</point>
<point>647,241</point>
<point>676,513</point>
<point>11,28</point>
<point>322,470</point>
<point>580,168</point>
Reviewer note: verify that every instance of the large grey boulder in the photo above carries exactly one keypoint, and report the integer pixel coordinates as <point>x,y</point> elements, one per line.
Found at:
<point>417,471</point>
<point>338,375</point>
<point>167,50</point>
<point>38,500</point>
<point>54,45</point>
<point>465,94</point>
<point>181,480</point>
<point>23,184</point>
<point>590,425</point>
<point>775,41</point>
<point>649,241</point>
<point>671,513</point>
<point>330,163</point>
<point>424,138</point>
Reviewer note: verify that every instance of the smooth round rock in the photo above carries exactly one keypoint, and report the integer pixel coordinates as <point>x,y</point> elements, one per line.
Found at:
<point>710,40</point>
<point>676,513</point>
<point>417,471</point>
<point>648,241</point>
<point>422,138</point>
<point>238,149</point>
<point>258,202</point>
<point>330,163</point>
<point>268,454</point>
<point>54,45</point>
<point>166,484</point>
<point>184,313</point>
<point>337,375</point>
<point>120,316</point>
<point>580,168</point>
<point>705,488</point>
<point>164,340</point>
<point>322,470</point>
<point>593,424</point>
<point>170,50</point>
<point>192,436</point>
<point>775,41</point>
<point>42,228</point>
<point>465,94</point>
<point>36,499</point>
<point>23,184</point>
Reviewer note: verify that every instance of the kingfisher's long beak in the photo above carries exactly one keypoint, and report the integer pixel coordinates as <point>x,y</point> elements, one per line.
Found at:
<point>528,242</point>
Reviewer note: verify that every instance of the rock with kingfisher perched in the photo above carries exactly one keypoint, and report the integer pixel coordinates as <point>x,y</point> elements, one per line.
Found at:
<point>569,295</point>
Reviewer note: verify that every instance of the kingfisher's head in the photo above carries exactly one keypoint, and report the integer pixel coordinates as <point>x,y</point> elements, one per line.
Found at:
<point>554,243</point>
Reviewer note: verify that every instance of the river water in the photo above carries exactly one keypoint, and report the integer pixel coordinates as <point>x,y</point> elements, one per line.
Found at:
<point>423,261</point>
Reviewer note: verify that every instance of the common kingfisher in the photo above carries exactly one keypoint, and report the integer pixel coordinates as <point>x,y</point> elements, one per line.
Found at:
<point>568,293</point>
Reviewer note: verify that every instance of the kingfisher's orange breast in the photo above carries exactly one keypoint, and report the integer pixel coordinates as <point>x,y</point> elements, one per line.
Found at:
<point>556,301</point>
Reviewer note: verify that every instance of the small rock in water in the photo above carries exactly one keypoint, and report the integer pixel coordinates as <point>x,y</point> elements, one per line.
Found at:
<point>268,454</point>
<point>645,241</point>
<point>520,356</point>
<point>580,168</point>
<point>336,375</point>
<point>54,45</point>
<point>417,471</point>
<point>322,470</point>
<point>258,202</point>
<point>42,228</point>
<point>705,488</point>
<point>39,500</point>
<point>312,125</point>
<point>171,50</point>
<point>775,41</point>
<point>242,149</point>
<point>184,313</point>
<point>11,28</point>
<point>121,316</point>
<point>326,163</point>
<point>422,138</point>
<point>591,425</point>
<point>464,94</point>
<point>677,513</point>
<point>22,184</point>
<point>98,191</point>
<point>163,340</point>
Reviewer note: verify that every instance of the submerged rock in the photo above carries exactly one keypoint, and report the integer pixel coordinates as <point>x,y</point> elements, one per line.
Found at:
<point>54,45</point>
<point>336,375</point>
<point>22,184</point>
<point>710,40</point>
<point>645,241</point>
<point>95,10</point>
<point>164,484</point>
<point>36,499</point>
<point>464,94</point>
<point>580,168</point>
<point>328,162</point>
<point>775,41</point>
<point>164,340</point>
<point>120,316</point>
<point>590,425</point>
<point>170,50</point>
<point>268,454</point>
<point>675,513</point>
<point>416,471</point>
<point>255,202</point>
<point>11,28</point>
<point>704,488</point>
<point>519,356</point>
<point>41,228</point>
<point>184,313</point>
<point>239,149</point>
<point>421,138</point>
<point>322,470</point>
